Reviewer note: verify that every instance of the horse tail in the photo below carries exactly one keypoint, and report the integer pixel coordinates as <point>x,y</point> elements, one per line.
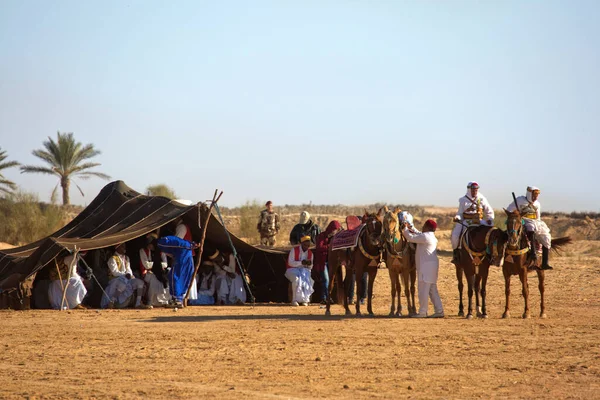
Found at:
<point>558,243</point>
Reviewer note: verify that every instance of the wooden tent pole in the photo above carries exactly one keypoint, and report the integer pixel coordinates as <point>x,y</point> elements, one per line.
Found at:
<point>70,272</point>
<point>201,245</point>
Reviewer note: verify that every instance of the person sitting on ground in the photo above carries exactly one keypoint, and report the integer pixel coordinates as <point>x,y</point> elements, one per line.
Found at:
<point>319,271</point>
<point>206,285</point>
<point>122,283</point>
<point>536,230</point>
<point>304,227</point>
<point>230,285</point>
<point>427,267</point>
<point>157,294</point>
<point>299,264</point>
<point>60,277</point>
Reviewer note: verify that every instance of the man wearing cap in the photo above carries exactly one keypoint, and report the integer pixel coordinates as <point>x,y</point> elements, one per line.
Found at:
<point>427,267</point>
<point>268,225</point>
<point>535,228</point>
<point>299,265</point>
<point>157,293</point>
<point>473,209</point>
<point>304,227</point>
<point>122,283</point>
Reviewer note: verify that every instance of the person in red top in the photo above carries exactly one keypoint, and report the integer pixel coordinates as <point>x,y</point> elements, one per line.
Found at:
<point>320,273</point>
<point>300,262</point>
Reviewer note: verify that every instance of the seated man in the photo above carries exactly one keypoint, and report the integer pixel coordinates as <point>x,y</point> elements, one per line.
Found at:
<point>207,285</point>
<point>304,227</point>
<point>535,228</point>
<point>229,284</point>
<point>157,294</point>
<point>122,283</point>
<point>473,209</point>
<point>299,265</point>
<point>60,277</point>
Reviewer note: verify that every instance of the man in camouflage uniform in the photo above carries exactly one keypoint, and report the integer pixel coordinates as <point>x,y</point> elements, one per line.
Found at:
<point>268,225</point>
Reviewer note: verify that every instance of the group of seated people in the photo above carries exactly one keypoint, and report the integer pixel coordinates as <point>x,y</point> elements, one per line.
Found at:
<point>162,278</point>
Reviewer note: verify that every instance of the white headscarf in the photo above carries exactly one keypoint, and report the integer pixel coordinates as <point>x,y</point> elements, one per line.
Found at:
<point>304,217</point>
<point>530,190</point>
<point>469,188</point>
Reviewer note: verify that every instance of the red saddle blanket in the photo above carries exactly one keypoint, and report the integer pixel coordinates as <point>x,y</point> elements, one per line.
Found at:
<point>346,239</point>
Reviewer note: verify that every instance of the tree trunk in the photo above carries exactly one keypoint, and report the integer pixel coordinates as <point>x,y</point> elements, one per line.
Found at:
<point>65,183</point>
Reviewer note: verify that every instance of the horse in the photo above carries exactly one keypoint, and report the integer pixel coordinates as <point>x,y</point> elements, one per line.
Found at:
<point>400,260</point>
<point>357,260</point>
<point>517,261</point>
<point>482,246</point>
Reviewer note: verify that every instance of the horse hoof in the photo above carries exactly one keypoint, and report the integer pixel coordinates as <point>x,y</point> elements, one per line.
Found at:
<point>391,314</point>
<point>398,314</point>
<point>469,316</point>
<point>461,313</point>
<point>327,312</point>
<point>479,314</point>
<point>526,316</point>
<point>543,315</point>
<point>484,316</point>
<point>506,314</point>
<point>348,312</point>
<point>371,314</point>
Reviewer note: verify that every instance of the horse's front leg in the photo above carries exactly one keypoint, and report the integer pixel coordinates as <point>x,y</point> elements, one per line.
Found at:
<point>484,276</point>
<point>346,285</point>
<point>372,275</point>
<point>477,292</point>
<point>541,287</point>
<point>332,271</point>
<point>470,286</point>
<point>506,272</point>
<point>393,289</point>
<point>358,272</point>
<point>523,277</point>
<point>413,280</point>
<point>399,293</point>
<point>459,278</point>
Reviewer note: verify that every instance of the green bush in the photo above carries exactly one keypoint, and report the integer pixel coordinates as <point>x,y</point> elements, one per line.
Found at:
<point>249,214</point>
<point>25,219</point>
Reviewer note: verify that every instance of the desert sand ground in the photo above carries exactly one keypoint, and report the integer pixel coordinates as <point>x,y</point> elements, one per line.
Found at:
<point>277,351</point>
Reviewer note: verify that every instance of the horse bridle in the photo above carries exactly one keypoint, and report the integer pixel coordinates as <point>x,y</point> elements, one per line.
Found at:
<point>514,234</point>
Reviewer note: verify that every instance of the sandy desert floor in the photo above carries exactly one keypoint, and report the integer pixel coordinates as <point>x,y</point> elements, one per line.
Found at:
<point>277,351</point>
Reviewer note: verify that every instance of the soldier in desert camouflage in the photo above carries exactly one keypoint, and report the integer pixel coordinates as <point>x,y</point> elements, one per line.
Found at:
<point>268,225</point>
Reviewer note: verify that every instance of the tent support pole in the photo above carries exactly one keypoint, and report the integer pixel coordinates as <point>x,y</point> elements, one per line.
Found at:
<point>68,278</point>
<point>201,245</point>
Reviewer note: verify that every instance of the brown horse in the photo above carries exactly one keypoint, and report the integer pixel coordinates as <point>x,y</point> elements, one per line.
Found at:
<point>518,261</point>
<point>481,247</point>
<point>400,261</point>
<point>357,260</point>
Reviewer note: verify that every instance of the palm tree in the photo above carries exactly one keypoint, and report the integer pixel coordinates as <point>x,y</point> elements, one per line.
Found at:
<point>6,186</point>
<point>65,159</point>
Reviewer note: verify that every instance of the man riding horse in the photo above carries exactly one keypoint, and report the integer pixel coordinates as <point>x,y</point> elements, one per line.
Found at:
<point>535,228</point>
<point>473,210</point>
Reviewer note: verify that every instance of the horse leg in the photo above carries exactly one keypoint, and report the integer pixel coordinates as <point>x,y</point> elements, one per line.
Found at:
<point>405,279</point>
<point>506,293</point>
<point>399,293</point>
<point>459,278</point>
<point>330,268</point>
<point>358,271</point>
<point>372,275</point>
<point>347,281</point>
<point>477,291</point>
<point>470,285</point>
<point>393,282</point>
<point>484,276</point>
<point>413,280</point>
<point>523,277</point>
<point>541,287</point>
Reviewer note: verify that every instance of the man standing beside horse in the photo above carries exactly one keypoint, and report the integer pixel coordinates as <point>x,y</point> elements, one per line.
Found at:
<point>535,228</point>
<point>427,267</point>
<point>473,209</point>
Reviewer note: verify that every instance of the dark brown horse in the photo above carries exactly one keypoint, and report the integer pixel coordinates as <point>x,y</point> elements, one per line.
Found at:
<point>400,261</point>
<point>517,261</point>
<point>481,247</point>
<point>357,261</point>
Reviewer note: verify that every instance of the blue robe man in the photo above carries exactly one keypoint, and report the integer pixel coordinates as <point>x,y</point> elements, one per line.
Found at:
<point>182,270</point>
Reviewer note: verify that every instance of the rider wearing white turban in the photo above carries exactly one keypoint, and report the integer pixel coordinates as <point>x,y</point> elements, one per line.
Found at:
<point>473,209</point>
<point>536,229</point>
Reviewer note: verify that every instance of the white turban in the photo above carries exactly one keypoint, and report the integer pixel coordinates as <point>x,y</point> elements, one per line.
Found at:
<point>530,190</point>
<point>304,217</point>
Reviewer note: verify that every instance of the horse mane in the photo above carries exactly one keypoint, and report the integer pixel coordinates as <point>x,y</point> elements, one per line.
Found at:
<point>559,243</point>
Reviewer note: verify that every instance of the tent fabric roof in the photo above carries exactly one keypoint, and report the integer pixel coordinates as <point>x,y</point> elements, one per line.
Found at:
<point>118,214</point>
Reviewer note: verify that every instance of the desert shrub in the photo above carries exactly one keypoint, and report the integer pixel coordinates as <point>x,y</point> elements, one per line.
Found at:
<point>249,214</point>
<point>25,219</point>
<point>161,190</point>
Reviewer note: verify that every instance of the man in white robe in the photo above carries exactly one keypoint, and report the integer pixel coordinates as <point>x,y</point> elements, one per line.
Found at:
<point>536,229</point>
<point>207,285</point>
<point>229,282</point>
<point>64,273</point>
<point>299,265</point>
<point>427,267</point>
<point>473,209</point>
<point>157,294</point>
<point>122,284</point>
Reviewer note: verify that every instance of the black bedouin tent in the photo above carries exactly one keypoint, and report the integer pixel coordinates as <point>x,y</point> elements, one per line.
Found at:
<point>120,214</point>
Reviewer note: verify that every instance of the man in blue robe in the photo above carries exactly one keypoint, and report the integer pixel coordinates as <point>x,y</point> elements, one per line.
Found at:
<point>182,271</point>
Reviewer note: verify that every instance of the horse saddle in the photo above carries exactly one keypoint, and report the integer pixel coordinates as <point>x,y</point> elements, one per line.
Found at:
<point>346,239</point>
<point>352,222</point>
<point>467,235</point>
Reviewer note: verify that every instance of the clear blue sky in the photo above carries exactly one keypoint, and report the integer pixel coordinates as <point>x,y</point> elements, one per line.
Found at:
<point>326,101</point>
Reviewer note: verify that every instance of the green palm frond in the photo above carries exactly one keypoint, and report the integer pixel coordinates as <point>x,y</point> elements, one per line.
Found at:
<point>40,170</point>
<point>87,174</point>
<point>8,164</point>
